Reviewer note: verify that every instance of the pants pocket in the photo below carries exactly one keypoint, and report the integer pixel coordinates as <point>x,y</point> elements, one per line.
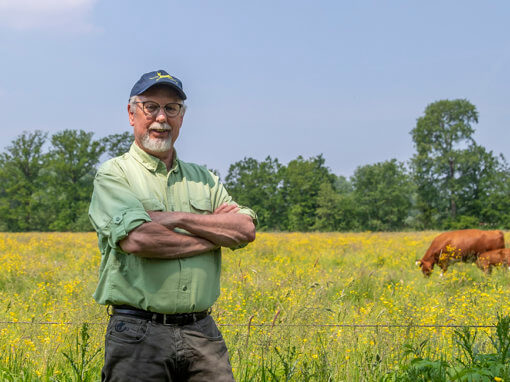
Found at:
<point>127,329</point>
<point>205,328</point>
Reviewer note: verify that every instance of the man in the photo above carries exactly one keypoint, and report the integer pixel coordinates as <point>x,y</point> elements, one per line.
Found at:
<point>161,223</point>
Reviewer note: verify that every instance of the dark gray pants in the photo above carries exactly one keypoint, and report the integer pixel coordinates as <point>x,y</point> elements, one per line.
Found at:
<point>143,351</point>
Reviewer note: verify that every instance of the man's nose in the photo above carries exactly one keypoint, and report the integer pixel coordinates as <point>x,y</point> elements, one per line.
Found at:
<point>161,116</point>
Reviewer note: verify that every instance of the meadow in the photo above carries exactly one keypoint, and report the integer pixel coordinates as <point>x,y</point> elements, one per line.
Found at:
<point>293,307</point>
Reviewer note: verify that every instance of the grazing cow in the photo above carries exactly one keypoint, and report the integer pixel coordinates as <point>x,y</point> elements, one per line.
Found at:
<point>496,257</point>
<point>464,245</point>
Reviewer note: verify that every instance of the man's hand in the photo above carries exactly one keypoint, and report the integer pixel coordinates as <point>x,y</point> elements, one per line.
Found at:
<point>226,208</point>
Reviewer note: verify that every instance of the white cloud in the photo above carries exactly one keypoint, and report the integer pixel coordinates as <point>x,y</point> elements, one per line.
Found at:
<point>53,14</point>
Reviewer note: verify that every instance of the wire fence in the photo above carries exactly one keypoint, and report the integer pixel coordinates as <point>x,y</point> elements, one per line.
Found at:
<point>250,324</point>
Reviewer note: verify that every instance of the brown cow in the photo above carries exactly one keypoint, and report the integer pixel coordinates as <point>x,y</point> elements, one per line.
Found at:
<point>493,258</point>
<point>464,245</point>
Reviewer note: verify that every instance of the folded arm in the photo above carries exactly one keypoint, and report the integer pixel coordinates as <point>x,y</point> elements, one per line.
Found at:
<point>153,240</point>
<point>225,227</point>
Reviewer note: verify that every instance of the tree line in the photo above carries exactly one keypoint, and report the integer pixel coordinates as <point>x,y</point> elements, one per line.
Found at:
<point>451,182</point>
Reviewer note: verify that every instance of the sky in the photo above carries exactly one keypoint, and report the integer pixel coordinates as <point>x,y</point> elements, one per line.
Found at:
<point>345,79</point>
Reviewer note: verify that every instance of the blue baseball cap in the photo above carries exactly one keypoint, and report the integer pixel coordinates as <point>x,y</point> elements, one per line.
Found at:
<point>150,79</point>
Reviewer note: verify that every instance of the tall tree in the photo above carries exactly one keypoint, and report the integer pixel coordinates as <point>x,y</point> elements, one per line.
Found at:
<point>20,189</point>
<point>382,192</point>
<point>488,198</point>
<point>302,180</point>
<point>336,207</point>
<point>441,137</point>
<point>73,158</point>
<point>258,185</point>
<point>118,144</point>
<point>478,178</point>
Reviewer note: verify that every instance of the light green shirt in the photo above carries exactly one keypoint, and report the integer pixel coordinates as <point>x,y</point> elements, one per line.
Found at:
<point>125,188</point>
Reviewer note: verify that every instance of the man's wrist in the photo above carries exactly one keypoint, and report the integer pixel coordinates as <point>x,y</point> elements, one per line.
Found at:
<point>168,219</point>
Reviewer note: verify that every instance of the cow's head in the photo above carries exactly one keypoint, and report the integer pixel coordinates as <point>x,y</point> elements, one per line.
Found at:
<point>426,267</point>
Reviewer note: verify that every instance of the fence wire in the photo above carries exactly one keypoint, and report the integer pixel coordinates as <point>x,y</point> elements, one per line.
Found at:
<point>249,324</point>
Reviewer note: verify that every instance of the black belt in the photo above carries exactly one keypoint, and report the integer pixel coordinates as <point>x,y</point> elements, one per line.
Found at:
<point>161,318</point>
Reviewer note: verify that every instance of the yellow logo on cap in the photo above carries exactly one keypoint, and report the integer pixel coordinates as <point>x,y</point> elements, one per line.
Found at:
<point>159,76</point>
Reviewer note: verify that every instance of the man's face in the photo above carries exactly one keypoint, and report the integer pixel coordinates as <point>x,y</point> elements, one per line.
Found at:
<point>156,134</point>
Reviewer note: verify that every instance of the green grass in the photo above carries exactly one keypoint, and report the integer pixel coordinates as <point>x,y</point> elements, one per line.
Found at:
<point>293,288</point>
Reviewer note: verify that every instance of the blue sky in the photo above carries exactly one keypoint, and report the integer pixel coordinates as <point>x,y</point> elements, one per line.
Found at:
<point>279,78</point>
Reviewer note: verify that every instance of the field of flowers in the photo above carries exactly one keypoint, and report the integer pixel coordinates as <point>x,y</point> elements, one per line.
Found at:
<point>286,303</point>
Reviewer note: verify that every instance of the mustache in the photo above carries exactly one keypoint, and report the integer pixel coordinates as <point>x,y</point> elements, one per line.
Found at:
<point>160,126</point>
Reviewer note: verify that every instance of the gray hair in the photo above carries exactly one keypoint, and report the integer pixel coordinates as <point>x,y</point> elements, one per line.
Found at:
<point>134,99</point>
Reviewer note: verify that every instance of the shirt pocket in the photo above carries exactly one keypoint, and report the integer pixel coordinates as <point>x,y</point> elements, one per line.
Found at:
<point>200,205</point>
<point>152,205</point>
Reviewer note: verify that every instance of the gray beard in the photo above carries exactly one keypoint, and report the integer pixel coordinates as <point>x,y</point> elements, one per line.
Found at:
<point>157,145</point>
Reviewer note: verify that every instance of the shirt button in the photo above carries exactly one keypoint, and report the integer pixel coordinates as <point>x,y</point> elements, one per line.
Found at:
<point>117,219</point>
<point>185,288</point>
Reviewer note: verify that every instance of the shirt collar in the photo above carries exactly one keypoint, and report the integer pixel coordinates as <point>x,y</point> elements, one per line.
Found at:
<point>150,162</point>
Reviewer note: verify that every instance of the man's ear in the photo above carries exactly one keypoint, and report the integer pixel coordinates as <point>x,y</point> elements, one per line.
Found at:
<point>131,115</point>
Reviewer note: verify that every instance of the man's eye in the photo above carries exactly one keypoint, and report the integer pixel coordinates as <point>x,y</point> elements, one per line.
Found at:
<point>172,108</point>
<point>151,108</point>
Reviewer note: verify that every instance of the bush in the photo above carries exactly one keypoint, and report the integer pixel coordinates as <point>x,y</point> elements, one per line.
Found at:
<point>469,365</point>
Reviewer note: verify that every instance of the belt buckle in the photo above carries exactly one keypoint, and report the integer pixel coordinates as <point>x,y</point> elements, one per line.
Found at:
<point>181,319</point>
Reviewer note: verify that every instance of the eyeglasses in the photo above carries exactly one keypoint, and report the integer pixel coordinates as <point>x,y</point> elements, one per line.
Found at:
<point>152,108</point>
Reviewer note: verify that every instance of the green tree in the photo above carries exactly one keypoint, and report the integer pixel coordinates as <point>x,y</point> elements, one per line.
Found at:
<point>258,186</point>
<point>442,137</point>
<point>117,144</point>
<point>481,174</point>
<point>72,163</point>
<point>336,207</point>
<point>382,193</point>
<point>302,180</point>
<point>494,200</point>
<point>20,189</point>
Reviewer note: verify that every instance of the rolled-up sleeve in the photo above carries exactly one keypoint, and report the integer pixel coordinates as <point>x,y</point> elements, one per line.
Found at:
<point>219,195</point>
<point>114,210</point>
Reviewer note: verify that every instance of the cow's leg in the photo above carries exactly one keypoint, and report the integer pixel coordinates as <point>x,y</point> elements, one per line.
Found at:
<point>487,268</point>
<point>482,265</point>
<point>444,268</point>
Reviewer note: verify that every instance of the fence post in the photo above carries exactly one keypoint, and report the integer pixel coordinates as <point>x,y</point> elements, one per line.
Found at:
<point>249,327</point>
<point>275,317</point>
